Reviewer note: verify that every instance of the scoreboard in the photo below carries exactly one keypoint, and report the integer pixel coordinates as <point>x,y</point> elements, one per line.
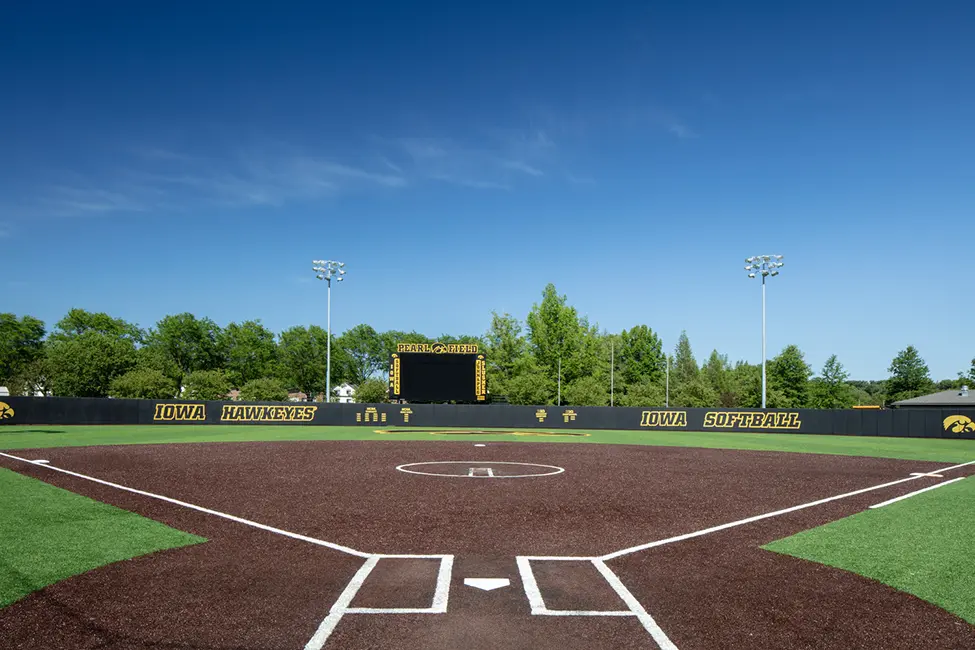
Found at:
<point>437,372</point>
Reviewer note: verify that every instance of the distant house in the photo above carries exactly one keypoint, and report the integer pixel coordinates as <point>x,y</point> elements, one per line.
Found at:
<point>962,397</point>
<point>344,394</point>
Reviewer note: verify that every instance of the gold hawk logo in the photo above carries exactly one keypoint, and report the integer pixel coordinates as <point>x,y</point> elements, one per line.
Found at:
<point>6,411</point>
<point>751,420</point>
<point>180,413</point>
<point>953,423</point>
<point>541,415</point>
<point>406,413</point>
<point>371,415</point>
<point>569,415</point>
<point>238,413</point>
<point>664,419</point>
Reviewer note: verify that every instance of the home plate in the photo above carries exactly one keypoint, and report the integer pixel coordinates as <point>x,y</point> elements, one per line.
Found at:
<point>487,584</point>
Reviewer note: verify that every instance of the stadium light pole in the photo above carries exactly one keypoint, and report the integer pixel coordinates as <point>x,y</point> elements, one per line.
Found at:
<point>766,266</point>
<point>326,270</point>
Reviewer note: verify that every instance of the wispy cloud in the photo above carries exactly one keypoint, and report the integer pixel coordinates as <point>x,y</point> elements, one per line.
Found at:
<point>155,179</point>
<point>70,201</point>
<point>498,159</point>
<point>522,166</point>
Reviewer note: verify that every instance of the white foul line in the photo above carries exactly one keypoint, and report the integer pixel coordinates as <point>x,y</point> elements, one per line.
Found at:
<point>768,515</point>
<point>216,513</point>
<point>908,496</point>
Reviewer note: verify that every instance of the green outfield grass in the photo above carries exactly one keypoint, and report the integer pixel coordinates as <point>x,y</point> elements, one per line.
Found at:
<point>48,534</point>
<point>41,436</point>
<point>922,545</point>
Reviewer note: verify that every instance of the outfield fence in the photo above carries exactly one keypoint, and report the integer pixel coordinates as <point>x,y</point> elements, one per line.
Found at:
<point>913,423</point>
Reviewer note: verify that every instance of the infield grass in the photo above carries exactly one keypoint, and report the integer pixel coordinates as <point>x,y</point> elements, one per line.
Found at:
<point>48,534</point>
<point>921,545</point>
<point>41,436</point>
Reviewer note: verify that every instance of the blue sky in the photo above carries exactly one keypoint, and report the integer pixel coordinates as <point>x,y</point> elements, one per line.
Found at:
<point>168,157</point>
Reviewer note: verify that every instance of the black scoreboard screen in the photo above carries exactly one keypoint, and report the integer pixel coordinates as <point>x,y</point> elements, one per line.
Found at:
<point>436,372</point>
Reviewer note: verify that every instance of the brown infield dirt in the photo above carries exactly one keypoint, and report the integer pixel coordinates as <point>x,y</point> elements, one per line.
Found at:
<point>248,588</point>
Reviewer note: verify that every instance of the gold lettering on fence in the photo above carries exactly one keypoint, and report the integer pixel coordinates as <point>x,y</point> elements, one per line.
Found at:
<point>267,413</point>
<point>406,413</point>
<point>569,415</point>
<point>752,420</point>
<point>664,419</point>
<point>371,415</point>
<point>541,415</point>
<point>180,413</point>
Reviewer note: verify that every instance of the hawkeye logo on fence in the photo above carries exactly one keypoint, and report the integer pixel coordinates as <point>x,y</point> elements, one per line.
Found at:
<point>6,412</point>
<point>235,413</point>
<point>180,413</point>
<point>751,420</point>
<point>953,423</point>
<point>664,419</point>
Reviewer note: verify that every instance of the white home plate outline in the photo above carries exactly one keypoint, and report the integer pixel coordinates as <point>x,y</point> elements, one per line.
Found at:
<point>532,592</point>
<point>478,464</point>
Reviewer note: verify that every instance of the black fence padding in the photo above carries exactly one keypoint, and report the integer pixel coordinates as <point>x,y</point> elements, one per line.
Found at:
<point>915,423</point>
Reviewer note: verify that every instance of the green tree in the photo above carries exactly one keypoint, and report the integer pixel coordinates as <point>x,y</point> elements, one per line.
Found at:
<point>84,365</point>
<point>530,384</point>
<point>250,351</point>
<point>206,384</point>
<point>190,342</point>
<point>643,394</point>
<point>687,387</point>
<point>372,391</point>
<point>21,343</point>
<point>909,376</point>
<point>830,390</point>
<point>970,379</point>
<point>505,347</point>
<point>143,383</point>
<point>365,352</point>
<point>747,382</point>
<point>33,378</point>
<point>790,374</point>
<point>556,336</point>
<point>716,373</point>
<point>639,356</point>
<point>586,391</point>
<point>303,353</point>
<point>264,389</point>
<point>78,321</point>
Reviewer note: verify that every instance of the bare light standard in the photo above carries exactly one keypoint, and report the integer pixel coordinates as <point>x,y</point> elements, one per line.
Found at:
<point>326,270</point>
<point>764,265</point>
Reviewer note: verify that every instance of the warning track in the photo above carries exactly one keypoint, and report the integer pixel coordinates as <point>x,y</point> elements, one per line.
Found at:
<point>414,539</point>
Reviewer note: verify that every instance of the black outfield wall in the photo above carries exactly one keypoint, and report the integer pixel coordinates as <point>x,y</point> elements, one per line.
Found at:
<point>914,423</point>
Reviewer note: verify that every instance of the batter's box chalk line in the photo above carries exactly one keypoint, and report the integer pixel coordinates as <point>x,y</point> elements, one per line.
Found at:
<point>342,605</point>
<point>633,606</point>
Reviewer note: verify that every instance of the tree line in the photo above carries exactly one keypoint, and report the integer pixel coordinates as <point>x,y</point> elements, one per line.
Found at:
<point>554,355</point>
